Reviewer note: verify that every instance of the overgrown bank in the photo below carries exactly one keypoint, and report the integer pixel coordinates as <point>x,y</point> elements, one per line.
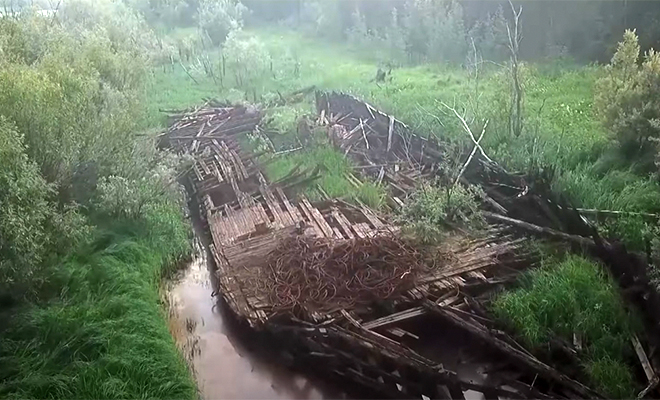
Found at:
<point>100,330</point>
<point>91,217</point>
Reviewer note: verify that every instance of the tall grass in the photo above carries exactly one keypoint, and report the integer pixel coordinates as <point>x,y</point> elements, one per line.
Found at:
<point>102,332</point>
<point>575,296</point>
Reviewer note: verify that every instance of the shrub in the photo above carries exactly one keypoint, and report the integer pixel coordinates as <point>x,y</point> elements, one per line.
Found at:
<point>24,210</point>
<point>628,98</point>
<point>432,210</point>
<point>219,17</point>
<point>247,58</point>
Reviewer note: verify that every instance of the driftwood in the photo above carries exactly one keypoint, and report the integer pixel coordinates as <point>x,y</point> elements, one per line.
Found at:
<point>652,377</point>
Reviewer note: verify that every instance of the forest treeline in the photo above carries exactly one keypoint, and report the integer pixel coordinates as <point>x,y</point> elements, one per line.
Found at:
<point>585,30</point>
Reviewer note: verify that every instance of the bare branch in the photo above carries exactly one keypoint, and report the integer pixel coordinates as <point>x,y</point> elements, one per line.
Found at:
<point>469,159</point>
<point>469,132</point>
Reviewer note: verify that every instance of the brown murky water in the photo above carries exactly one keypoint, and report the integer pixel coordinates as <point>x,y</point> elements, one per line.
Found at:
<point>222,364</point>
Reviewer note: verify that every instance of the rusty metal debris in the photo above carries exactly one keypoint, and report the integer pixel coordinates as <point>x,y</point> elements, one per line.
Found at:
<point>325,275</point>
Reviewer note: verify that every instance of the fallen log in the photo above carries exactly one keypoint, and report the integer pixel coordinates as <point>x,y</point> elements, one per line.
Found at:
<point>516,355</point>
<point>581,240</point>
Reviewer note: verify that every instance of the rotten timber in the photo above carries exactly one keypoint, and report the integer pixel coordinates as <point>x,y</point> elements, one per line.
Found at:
<point>248,217</point>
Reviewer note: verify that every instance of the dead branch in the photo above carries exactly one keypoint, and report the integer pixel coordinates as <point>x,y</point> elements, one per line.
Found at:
<point>523,359</point>
<point>515,37</point>
<point>597,212</point>
<point>188,73</point>
<point>469,159</point>
<point>540,230</point>
<point>469,132</point>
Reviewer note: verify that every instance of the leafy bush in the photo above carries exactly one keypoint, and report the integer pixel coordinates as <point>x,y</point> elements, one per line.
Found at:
<point>628,98</point>
<point>219,17</point>
<point>575,296</point>
<point>433,210</point>
<point>73,96</point>
<point>247,57</point>
<point>24,209</point>
<point>122,25</point>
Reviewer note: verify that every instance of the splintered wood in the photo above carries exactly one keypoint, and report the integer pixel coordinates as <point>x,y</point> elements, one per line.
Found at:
<point>332,281</point>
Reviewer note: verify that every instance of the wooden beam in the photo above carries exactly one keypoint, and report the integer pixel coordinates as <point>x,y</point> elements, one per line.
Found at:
<point>531,363</point>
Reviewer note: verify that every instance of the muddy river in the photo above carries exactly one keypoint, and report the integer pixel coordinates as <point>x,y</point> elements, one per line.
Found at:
<point>225,364</point>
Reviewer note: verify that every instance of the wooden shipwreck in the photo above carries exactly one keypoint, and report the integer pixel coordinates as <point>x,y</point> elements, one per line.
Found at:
<point>386,345</point>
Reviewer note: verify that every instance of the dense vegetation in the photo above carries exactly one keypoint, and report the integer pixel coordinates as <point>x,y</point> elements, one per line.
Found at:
<point>91,218</point>
<point>569,299</point>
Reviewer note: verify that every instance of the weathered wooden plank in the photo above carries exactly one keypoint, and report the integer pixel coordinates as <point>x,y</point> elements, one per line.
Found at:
<point>312,221</point>
<point>293,211</point>
<point>343,222</point>
<point>316,214</point>
<point>395,318</point>
<point>643,359</point>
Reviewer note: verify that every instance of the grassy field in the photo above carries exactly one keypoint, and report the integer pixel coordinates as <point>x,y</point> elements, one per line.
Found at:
<point>102,334</point>
<point>574,296</point>
<point>561,131</point>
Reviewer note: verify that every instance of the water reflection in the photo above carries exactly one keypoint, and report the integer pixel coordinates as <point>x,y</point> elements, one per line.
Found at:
<point>223,366</point>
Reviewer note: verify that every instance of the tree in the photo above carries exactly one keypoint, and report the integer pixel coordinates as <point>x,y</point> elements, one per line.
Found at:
<point>628,99</point>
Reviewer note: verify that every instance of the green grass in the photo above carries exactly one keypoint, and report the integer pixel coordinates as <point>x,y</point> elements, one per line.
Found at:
<point>576,296</point>
<point>334,167</point>
<point>103,332</point>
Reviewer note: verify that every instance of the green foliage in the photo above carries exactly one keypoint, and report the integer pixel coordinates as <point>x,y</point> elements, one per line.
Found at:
<point>627,98</point>
<point>247,58</point>
<point>122,25</point>
<point>333,168</point>
<point>102,335</point>
<point>434,210</point>
<point>73,96</point>
<point>575,296</point>
<point>24,210</point>
<point>217,18</point>
<point>86,320</point>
